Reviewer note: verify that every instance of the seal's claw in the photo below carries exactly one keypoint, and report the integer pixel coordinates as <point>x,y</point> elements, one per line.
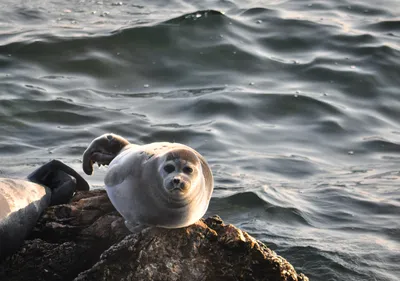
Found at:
<point>102,150</point>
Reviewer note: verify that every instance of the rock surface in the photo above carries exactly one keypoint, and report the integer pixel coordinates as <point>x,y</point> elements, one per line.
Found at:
<point>87,240</point>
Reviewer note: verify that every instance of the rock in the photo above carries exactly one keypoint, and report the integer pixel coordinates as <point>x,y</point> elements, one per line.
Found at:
<point>87,240</point>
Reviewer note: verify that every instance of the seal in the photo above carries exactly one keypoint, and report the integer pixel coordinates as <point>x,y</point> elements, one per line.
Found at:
<point>22,201</point>
<point>160,184</point>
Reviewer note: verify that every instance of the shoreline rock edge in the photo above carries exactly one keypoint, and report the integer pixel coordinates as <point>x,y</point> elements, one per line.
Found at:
<point>87,240</point>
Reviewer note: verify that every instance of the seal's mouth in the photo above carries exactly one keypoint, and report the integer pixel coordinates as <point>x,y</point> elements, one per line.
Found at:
<point>181,189</point>
<point>177,192</point>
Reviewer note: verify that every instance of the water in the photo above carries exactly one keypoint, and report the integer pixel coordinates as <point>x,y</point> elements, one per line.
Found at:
<point>295,104</point>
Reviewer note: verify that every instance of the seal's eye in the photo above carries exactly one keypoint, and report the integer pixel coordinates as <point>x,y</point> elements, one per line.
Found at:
<point>187,170</point>
<point>169,168</point>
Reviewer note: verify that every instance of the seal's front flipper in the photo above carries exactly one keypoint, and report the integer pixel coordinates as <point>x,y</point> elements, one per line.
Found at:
<point>61,179</point>
<point>102,150</point>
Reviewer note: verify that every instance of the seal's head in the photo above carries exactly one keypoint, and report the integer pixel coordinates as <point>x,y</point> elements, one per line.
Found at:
<point>180,170</point>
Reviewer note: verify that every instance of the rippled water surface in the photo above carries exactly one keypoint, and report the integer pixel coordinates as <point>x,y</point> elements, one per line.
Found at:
<point>295,104</point>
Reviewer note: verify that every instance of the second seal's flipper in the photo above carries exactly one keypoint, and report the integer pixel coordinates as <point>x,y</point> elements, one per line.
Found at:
<point>61,179</point>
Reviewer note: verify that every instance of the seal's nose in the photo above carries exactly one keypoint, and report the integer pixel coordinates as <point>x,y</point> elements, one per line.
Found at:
<point>178,184</point>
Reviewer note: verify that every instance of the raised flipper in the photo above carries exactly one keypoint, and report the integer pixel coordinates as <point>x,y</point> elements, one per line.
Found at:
<point>102,150</point>
<point>61,179</point>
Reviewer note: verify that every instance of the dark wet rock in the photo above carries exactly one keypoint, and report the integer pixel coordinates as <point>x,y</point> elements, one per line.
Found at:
<point>87,240</point>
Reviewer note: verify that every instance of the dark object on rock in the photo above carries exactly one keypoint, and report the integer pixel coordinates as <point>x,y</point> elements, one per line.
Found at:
<point>87,240</point>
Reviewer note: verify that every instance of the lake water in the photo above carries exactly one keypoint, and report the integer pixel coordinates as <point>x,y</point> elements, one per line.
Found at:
<point>295,105</point>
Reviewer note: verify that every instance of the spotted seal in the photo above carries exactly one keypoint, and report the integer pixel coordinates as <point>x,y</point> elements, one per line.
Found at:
<point>160,184</point>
